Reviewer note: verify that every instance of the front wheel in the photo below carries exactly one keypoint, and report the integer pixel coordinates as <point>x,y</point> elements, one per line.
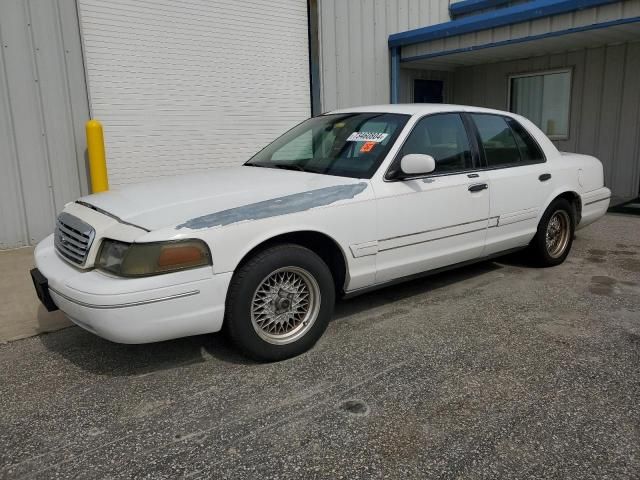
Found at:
<point>554,237</point>
<point>279,302</point>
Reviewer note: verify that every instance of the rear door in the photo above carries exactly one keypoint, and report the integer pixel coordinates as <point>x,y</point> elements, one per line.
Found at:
<point>438,219</point>
<point>519,177</point>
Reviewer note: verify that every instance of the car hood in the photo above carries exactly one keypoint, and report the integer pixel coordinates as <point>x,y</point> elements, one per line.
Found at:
<point>222,196</point>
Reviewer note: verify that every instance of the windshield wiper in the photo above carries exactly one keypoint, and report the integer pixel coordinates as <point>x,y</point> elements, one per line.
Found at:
<point>283,166</point>
<point>289,166</point>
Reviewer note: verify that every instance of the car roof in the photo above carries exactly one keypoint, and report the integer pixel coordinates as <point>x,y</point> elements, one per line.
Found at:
<point>418,109</point>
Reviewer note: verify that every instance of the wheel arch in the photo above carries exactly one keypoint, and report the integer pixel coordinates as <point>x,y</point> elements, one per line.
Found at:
<point>322,244</point>
<point>571,196</point>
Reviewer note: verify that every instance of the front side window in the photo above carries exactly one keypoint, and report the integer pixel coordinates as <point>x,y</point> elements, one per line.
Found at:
<point>349,144</point>
<point>544,99</point>
<point>444,137</point>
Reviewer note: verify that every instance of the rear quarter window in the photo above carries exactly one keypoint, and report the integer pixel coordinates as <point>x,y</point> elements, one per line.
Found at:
<point>530,151</point>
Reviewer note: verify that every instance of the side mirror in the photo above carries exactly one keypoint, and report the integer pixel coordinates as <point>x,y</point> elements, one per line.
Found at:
<point>417,164</point>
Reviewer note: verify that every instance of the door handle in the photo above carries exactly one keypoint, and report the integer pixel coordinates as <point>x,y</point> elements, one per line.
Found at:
<point>544,177</point>
<point>478,187</point>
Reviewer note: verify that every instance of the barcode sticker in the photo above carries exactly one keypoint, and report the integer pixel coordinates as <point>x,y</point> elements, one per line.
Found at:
<point>367,137</point>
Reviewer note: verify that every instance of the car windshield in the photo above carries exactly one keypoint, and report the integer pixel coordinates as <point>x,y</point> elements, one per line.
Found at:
<point>347,145</point>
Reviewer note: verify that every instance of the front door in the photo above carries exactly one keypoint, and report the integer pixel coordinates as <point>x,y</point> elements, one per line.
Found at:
<point>520,180</point>
<point>427,91</point>
<point>439,219</point>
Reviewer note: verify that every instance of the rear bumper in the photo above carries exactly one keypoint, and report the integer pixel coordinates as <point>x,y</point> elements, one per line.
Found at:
<point>594,206</point>
<point>137,310</point>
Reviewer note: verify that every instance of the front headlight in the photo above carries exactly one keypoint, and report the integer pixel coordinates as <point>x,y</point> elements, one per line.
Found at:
<point>143,259</point>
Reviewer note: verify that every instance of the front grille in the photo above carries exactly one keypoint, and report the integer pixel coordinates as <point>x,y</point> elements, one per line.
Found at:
<point>73,238</point>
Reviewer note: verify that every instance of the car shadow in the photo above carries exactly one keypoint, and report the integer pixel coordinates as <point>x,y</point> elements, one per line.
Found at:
<point>411,288</point>
<point>102,357</point>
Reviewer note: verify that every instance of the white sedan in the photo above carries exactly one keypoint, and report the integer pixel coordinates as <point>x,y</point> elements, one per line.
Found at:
<point>345,202</point>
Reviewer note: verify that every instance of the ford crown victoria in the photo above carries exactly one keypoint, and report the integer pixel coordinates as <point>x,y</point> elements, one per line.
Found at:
<point>344,202</point>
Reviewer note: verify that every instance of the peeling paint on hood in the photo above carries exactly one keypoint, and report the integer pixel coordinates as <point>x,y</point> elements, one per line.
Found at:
<point>222,195</point>
<point>297,202</point>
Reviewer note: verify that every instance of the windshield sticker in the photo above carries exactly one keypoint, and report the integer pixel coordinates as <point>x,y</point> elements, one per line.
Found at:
<point>367,137</point>
<point>367,147</point>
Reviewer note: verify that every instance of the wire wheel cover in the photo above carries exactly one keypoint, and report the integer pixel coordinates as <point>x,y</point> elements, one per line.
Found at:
<point>285,305</point>
<point>557,234</point>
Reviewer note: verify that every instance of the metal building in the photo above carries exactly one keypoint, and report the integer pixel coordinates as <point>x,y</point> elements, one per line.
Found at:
<point>572,66</point>
<point>184,85</point>
<point>178,85</point>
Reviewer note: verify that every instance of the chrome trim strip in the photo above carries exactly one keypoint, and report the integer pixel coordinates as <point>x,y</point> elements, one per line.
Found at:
<point>512,223</point>
<point>125,305</point>
<point>497,218</point>
<point>596,201</point>
<point>432,239</point>
<point>364,249</point>
<point>433,230</point>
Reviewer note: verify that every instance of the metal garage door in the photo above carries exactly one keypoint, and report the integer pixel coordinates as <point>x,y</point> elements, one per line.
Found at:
<point>190,85</point>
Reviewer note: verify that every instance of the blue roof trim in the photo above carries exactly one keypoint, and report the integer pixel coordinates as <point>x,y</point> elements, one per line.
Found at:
<point>507,16</point>
<point>470,6</point>
<point>568,31</point>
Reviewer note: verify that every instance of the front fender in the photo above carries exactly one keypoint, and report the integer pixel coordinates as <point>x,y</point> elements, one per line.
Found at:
<point>277,232</point>
<point>346,225</point>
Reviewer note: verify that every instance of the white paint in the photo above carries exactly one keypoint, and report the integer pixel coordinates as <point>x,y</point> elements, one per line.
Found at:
<point>173,201</point>
<point>386,230</point>
<point>417,164</point>
<point>364,249</point>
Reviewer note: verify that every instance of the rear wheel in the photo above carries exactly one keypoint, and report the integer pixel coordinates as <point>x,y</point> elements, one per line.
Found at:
<point>554,237</point>
<point>279,302</point>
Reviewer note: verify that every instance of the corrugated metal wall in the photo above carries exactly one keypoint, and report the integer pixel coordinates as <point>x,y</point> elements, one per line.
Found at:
<point>605,104</point>
<point>555,23</point>
<point>354,57</point>
<point>354,54</point>
<point>43,107</point>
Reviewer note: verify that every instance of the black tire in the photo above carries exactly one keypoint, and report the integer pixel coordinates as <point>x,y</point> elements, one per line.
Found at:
<point>239,323</point>
<point>540,252</point>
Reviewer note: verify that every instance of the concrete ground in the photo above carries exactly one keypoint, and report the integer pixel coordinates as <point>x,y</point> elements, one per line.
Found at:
<point>21,314</point>
<point>495,370</point>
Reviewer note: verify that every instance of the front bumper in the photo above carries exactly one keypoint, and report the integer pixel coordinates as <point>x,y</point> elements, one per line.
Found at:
<point>139,310</point>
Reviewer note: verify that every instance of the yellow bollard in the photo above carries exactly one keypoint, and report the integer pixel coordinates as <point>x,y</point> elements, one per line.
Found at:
<point>97,157</point>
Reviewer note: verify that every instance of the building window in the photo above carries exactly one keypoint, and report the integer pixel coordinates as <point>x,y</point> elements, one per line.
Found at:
<point>543,98</point>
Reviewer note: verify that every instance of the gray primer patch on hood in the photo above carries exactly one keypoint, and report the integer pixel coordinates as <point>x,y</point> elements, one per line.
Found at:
<point>297,202</point>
